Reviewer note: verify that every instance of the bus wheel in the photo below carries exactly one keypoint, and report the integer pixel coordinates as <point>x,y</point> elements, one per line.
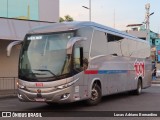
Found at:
<point>138,91</point>
<point>95,95</point>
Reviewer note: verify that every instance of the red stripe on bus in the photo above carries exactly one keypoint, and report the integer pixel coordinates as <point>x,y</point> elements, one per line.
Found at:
<point>91,72</point>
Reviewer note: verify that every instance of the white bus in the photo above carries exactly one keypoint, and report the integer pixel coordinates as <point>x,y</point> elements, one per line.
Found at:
<point>68,62</point>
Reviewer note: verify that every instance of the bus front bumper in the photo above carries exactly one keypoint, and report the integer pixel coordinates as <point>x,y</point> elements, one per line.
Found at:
<point>59,96</point>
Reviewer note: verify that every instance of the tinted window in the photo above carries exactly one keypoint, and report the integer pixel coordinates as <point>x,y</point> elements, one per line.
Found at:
<point>112,38</point>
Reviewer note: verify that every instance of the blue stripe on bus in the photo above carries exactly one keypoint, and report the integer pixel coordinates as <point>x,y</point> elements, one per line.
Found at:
<point>111,71</point>
<point>105,71</point>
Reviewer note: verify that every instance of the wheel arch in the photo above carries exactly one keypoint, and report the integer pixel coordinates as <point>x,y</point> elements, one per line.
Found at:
<point>141,79</point>
<point>98,81</point>
<point>95,89</point>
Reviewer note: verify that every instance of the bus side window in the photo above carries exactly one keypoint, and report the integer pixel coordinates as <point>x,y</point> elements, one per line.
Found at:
<point>112,38</point>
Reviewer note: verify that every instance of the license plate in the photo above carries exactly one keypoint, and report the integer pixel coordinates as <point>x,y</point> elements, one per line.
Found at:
<point>40,99</point>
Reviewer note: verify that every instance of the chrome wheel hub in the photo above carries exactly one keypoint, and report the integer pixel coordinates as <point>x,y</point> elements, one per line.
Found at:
<point>94,94</point>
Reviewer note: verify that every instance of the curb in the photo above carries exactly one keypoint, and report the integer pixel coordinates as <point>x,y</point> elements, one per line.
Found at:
<point>155,81</point>
<point>4,94</point>
<point>8,96</point>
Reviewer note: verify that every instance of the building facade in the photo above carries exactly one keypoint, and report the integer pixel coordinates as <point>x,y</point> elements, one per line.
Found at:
<point>43,10</point>
<point>16,18</point>
<point>140,31</point>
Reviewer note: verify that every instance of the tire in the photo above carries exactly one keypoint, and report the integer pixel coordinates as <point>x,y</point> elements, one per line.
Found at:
<point>138,91</point>
<point>96,95</point>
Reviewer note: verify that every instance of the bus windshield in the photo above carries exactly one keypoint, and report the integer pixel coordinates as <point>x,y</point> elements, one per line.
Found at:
<point>43,57</point>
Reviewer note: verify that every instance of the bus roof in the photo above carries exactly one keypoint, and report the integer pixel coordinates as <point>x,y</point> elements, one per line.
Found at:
<point>66,26</point>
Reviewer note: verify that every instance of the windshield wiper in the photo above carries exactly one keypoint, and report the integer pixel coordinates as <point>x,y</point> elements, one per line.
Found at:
<point>45,71</point>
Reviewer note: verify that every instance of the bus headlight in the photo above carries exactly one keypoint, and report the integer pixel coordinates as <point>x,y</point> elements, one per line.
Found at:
<point>67,85</point>
<point>61,87</point>
<point>20,86</point>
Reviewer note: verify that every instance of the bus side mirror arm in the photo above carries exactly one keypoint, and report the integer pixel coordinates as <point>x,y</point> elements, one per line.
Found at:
<point>9,47</point>
<point>71,43</point>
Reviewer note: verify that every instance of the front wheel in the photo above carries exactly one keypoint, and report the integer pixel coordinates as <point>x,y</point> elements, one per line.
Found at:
<point>95,95</point>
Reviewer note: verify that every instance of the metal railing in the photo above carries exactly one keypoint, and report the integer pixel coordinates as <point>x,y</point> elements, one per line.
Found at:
<point>8,85</point>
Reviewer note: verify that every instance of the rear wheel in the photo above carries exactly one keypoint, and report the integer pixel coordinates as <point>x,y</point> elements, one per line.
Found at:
<point>95,95</point>
<point>138,91</point>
